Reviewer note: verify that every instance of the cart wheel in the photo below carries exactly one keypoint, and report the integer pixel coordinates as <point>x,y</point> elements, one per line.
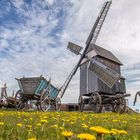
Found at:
<point>96,103</point>
<point>45,102</point>
<point>81,103</point>
<point>19,104</point>
<point>108,107</point>
<point>38,107</point>
<point>57,104</point>
<point>120,105</point>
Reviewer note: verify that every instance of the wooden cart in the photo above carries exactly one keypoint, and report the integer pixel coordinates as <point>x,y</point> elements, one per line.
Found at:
<point>103,102</point>
<point>37,91</point>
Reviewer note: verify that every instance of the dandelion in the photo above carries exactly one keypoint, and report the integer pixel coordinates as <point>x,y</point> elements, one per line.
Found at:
<point>54,126</point>
<point>72,122</point>
<point>29,126</point>
<point>67,120</point>
<point>84,126</point>
<point>31,139</point>
<point>100,130</point>
<point>44,121</point>
<point>61,128</point>
<point>124,121</point>
<point>115,132</point>
<point>45,117</point>
<point>38,124</point>
<point>122,132</point>
<point>86,136</point>
<point>19,124</point>
<point>67,134</point>
<point>31,119</point>
<point>115,121</point>
<point>1,123</point>
<point>25,120</point>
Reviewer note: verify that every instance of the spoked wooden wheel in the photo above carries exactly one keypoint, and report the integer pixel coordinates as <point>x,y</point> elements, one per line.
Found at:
<point>96,103</point>
<point>120,105</point>
<point>57,104</point>
<point>19,102</point>
<point>108,108</point>
<point>38,107</point>
<point>35,105</point>
<point>81,103</point>
<point>45,102</point>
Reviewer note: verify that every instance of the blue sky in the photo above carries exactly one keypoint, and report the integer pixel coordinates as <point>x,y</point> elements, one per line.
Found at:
<point>34,36</point>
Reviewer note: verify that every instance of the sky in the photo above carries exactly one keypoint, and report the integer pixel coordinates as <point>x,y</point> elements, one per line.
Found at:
<point>34,35</point>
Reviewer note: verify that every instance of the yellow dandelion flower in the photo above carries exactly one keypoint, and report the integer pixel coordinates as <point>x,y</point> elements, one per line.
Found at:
<point>29,126</point>
<point>54,126</point>
<point>43,121</point>
<point>45,117</point>
<point>86,136</point>
<point>115,131</point>
<point>19,124</point>
<point>72,122</point>
<point>31,139</point>
<point>115,120</point>
<point>67,133</point>
<point>84,126</point>
<point>122,132</point>
<point>38,124</point>
<point>31,119</point>
<point>61,128</point>
<point>1,123</point>
<point>124,121</point>
<point>100,130</point>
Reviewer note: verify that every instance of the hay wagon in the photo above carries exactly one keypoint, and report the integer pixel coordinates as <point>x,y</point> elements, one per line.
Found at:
<point>37,91</point>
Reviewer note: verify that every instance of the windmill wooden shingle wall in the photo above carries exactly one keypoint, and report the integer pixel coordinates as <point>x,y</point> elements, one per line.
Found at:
<point>90,82</point>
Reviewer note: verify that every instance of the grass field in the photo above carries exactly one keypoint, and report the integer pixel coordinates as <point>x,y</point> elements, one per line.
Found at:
<point>68,126</point>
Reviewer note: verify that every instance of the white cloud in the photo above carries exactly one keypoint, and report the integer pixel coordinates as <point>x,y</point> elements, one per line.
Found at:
<point>50,2</point>
<point>18,3</point>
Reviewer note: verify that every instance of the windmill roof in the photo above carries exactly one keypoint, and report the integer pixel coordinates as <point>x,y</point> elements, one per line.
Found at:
<point>105,53</point>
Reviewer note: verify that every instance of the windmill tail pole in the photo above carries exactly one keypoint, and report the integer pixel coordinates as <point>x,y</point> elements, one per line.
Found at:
<point>67,81</point>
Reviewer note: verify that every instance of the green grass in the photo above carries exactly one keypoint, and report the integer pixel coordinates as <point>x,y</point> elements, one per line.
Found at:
<point>50,125</point>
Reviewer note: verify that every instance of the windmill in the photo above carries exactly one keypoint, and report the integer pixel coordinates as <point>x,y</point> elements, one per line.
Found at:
<point>96,76</point>
<point>76,49</point>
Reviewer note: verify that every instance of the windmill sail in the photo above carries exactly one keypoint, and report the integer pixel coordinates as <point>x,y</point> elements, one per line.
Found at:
<point>107,75</point>
<point>76,49</point>
<point>98,24</point>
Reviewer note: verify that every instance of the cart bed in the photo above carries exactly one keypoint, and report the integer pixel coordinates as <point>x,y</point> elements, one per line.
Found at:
<point>31,86</point>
